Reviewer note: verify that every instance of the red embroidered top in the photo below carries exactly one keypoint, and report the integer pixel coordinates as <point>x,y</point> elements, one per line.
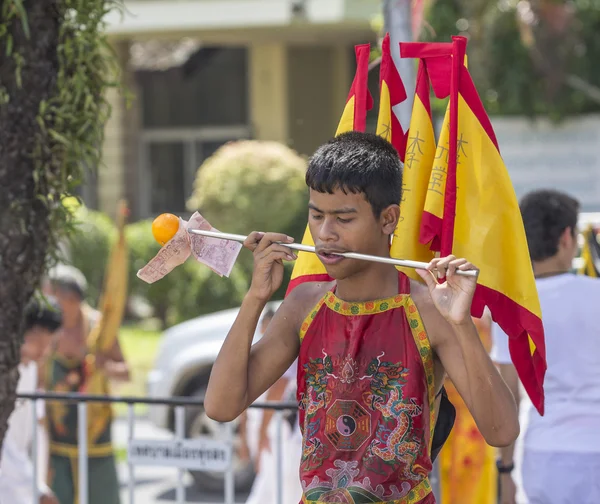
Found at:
<point>366,395</point>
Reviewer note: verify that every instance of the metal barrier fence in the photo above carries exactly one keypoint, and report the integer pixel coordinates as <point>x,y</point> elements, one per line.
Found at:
<point>199,453</point>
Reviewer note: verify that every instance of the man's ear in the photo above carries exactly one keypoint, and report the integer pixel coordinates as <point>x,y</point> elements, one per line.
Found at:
<point>567,237</point>
<point>389,219</point>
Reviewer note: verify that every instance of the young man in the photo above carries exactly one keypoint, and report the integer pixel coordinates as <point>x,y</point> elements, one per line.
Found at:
<point>67,373</point>
<point>561,450</point>
<point>372,346</point>
<point>42,319</point>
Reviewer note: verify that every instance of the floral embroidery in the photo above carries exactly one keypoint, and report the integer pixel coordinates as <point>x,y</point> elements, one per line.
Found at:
<point>366,308</point>
<point>342,486</point>
<point>422,342</point>
<point>351,401</point>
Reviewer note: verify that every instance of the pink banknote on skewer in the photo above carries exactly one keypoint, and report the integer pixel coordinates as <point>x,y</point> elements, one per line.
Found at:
<point>218,254</point>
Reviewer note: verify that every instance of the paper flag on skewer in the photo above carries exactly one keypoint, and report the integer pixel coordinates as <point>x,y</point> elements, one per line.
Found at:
<point>216,253</point>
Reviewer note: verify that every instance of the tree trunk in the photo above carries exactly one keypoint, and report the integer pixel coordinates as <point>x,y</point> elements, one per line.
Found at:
<point>24,219</point>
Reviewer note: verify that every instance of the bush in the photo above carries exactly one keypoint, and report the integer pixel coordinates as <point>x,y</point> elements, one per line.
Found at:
<point>251,186</point>
<point>89,248</point>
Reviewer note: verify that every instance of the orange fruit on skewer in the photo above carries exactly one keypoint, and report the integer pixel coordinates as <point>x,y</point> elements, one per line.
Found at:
<point>164,227</point>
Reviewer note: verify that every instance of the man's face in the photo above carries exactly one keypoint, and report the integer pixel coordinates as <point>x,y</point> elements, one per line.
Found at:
<point>342,222</point>
<point>69,301</point>
<point>36,343</point>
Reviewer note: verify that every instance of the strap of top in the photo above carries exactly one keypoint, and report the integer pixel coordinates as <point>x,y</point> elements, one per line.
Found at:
<point>426,353</point>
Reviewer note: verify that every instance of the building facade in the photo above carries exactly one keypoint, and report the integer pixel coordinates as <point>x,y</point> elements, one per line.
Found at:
<point>203,72</point>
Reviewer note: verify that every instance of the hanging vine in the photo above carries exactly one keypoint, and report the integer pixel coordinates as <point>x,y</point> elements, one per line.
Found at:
<point>70,122</point>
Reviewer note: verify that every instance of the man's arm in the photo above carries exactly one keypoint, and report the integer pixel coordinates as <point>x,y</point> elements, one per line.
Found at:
<point>242,371</point>
<point>508,488</point>
<point>446,314</point>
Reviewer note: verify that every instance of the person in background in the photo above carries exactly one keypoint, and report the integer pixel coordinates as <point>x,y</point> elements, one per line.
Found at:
<point>561,450</point>
<point>66,372</point>
<point>42,319</point>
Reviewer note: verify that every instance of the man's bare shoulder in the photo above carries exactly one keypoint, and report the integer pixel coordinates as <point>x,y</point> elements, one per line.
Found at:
<point>420,295</point>
<point>303,298</point>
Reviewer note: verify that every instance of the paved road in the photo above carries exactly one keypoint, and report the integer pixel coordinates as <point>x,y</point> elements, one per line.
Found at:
<point>156,485</point>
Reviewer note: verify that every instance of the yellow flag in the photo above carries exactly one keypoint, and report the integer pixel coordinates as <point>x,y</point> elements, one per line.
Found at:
<point>418,160</point>
<point>308,267</point>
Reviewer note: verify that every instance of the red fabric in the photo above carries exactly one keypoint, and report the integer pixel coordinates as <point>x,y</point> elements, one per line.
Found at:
<point>364,409</point>
<point>389,73</point>
<point>363,100</point>
<point>431,226</point>
<point>517,323</point>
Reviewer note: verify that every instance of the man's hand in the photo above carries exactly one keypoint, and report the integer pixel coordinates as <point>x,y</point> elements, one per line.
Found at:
<point>452,298</point>
<point>508,489</point>
<point>114,369</point>
<point>268,262</point>
<point>48,498</point>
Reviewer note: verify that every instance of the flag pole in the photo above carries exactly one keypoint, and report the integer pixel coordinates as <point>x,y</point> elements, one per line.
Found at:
<point>350,255</point>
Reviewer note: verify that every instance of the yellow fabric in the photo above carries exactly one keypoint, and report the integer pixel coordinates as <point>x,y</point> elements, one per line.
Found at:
<point>467,463</point>
<point>384,119</point>
<point>104,334</point>
<point>66,450</point>
<point>587,268</point>
<point>347,120</point>
<point>421,339</point>
<point>307,262</point>
<point>488,228</point>
<point>420,151</point>
<point>114,296</point>
<point>434,203</point>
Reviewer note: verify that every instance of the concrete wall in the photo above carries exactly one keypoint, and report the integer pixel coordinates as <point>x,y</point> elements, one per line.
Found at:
<point>319,79</point>
<point>119,143</point>
<point>296,96</point>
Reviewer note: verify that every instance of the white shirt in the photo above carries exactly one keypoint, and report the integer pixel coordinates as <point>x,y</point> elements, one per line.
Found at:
<point>572,384</point>
<point>16,466</point>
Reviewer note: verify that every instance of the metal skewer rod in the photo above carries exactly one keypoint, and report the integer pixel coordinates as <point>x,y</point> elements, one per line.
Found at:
<point>349,255</point>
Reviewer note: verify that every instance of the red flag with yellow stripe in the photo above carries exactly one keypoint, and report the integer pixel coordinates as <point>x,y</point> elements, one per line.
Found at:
<point>418,160</point>
<point>308,268</point>
<point>481,221</point>
<point>392,93</point>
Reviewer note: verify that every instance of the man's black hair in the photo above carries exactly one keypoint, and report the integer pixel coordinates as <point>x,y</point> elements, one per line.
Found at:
<point>45,313</point>
<point>358,163</point>
<point>69,279</point>
<point>546,214</point>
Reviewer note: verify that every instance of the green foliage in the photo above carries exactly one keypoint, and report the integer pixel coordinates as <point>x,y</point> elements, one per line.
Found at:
<point>189,290</point>
<point>89,248</point>
<point>521,68</point>
<point>70,123</point>
<point>251,185</point>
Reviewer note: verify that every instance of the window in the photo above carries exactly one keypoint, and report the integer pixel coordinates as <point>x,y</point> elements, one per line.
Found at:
<point>188,112</point>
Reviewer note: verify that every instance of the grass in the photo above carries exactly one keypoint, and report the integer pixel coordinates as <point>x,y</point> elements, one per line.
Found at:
<point>139,345</point>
